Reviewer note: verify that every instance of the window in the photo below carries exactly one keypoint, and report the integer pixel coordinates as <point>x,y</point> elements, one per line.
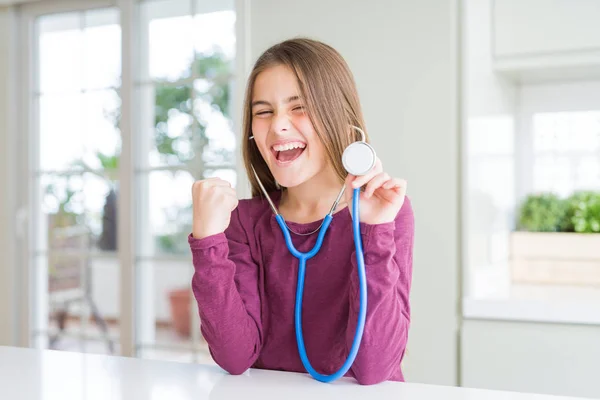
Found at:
<point>182,131</point>
<point>566,148</point>
<point>536,157</point>
<point>560,137</point>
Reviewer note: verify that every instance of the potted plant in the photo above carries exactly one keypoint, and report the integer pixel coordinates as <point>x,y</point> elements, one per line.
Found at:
<point>557,240</point>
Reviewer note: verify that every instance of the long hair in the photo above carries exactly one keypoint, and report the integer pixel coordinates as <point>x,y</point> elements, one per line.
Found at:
<point>327,86</point>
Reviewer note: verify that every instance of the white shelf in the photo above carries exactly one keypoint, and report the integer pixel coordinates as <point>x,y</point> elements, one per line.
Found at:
<point>536,303</point>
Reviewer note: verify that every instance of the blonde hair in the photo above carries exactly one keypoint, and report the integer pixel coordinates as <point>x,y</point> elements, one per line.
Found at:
<point>329,92</point>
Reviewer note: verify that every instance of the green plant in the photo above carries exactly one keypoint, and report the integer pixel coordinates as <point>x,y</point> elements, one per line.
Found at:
<point>573,203</point>
<point>543,212</point>
<point>546,212</point>
<point>586,212</point>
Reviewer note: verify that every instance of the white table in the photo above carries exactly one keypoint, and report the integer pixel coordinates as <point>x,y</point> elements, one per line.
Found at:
<point>28,374</point>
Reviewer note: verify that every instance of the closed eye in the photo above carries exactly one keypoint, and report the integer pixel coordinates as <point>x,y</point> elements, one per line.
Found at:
<point>264,112</point>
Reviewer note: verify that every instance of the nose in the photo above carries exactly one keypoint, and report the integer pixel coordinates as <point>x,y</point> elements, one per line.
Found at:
<point>281,123</point>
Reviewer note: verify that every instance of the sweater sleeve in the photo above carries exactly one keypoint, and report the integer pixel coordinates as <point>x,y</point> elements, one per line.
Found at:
<point>225,285</point>
<point>388,254</point>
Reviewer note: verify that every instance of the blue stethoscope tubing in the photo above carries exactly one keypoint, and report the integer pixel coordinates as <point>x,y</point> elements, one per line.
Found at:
<point>303,257</point>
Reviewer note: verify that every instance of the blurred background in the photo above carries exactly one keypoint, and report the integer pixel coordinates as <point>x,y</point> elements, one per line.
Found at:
<point>111,109</point>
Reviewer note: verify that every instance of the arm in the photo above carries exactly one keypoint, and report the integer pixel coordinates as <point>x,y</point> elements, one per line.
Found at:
<point>225,285</point>
<point>388,250</point>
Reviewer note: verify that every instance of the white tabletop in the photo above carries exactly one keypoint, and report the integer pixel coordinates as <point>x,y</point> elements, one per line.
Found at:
<point>28,374</point>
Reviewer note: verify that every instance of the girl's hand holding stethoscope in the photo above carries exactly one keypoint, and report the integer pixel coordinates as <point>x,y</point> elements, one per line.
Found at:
<point>382,197</point>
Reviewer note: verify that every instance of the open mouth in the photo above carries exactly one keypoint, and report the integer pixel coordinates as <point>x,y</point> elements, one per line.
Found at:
<point>288,152</point>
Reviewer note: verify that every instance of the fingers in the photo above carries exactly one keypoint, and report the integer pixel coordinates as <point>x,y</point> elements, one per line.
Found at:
<point>209,183</point>
<point>230,192</point>
<point>395,183</point>
<point>216,182</point>
<point>392,190</point>
<point>363,179</point>
<point>225,192</point>
<point>378,181</point>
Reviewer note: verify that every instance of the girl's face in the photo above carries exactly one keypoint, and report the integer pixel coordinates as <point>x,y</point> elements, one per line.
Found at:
<point>282,129</point>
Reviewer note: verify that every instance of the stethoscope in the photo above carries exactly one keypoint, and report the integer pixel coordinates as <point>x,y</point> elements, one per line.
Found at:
<point>358,159</point>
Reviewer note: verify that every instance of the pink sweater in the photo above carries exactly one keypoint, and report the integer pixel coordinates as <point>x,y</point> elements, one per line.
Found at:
<point>245,285</point>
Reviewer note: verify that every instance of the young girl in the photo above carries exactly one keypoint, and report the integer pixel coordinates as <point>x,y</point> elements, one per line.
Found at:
<point>301,103</point>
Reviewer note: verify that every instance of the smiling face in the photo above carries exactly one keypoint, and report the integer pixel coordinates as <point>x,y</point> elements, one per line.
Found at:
<point>299,104</point>
<point>283,131</point>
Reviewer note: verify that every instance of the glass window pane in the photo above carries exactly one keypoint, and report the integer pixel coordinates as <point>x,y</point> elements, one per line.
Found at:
<point>588,173</point>
<point>61,125</point>
<point>102,138</point>
<point>566,151</point>
<point>61,44</point>
<point>77,303</point>
<point>214,28</point>
<point>169,212</point>
<point>61,210</point>
<point>77,203</point>
<point>211,111</point>
<point>567,131</point>
<point>102,49</point>
<point>169,39</point>
<point>166,124</point>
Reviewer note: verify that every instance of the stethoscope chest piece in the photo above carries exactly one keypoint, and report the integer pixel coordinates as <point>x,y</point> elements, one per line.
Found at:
<point>358,158</point>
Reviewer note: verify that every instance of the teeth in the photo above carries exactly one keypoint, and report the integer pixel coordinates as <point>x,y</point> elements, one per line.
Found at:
<point>289,146</point>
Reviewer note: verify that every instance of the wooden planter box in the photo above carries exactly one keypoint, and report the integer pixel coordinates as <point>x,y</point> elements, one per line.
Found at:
<point>555,258</point>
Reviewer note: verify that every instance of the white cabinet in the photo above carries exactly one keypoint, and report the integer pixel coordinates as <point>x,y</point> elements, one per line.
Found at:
<point>539,39</point>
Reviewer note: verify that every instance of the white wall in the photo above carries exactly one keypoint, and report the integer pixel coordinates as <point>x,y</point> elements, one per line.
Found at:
<point>404,57</point>
<point>532,357</point>
<point>8,322</point>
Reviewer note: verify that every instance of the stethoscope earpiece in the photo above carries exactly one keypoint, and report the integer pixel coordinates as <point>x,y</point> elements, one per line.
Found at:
<point>359,157</point>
